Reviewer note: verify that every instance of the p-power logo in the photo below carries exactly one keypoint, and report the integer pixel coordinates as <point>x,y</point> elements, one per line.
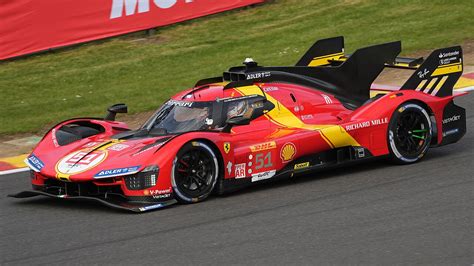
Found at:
<point>138,6</point>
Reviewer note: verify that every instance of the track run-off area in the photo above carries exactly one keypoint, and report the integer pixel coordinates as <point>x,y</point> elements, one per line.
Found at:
<point>373,213</point>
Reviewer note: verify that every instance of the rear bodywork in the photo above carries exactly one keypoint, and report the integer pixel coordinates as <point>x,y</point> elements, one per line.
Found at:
<point>321,116</point>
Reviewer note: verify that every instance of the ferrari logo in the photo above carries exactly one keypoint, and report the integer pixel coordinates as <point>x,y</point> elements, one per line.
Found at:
<point>226,147</point>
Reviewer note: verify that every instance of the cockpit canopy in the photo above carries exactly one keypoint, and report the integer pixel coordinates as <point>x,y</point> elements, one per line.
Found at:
<point>184,116</point>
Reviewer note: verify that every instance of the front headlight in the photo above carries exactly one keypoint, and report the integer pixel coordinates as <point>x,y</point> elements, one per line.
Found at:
<point>145,179</point>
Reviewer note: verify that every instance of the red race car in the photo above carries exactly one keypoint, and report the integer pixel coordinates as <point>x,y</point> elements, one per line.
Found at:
<point>254,124</point>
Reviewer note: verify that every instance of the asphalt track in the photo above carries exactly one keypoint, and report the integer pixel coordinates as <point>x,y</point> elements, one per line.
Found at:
<point>375,213</point>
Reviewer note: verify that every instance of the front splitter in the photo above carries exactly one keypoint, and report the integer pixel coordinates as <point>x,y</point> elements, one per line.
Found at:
<point>121,205</point>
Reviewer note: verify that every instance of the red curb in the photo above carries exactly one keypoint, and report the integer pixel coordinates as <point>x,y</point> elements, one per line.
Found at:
<point>6,166</point>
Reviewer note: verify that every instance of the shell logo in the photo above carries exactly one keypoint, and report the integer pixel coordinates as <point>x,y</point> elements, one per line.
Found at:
<point>288,152</point>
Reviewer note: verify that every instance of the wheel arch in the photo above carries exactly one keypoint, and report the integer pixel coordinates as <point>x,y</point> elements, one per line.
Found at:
<point>220,161</point>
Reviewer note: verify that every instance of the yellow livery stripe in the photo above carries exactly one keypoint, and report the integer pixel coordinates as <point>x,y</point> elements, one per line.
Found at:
<point>324,60</point>
<point>335,135</point>
<point>448,69</point>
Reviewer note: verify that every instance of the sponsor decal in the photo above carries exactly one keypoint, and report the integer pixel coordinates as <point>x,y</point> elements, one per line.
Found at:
<point>360,152</point>
<point>450,132</point>
<point>35,163</point>
<point>257,105</point>
<point>240,170</point>
<point>288,152</point>
<point>422,73</point>
<point>53,137</point>
<point>139,6</point>
<point>117,172</point>
<point>263,146</point>
<point>306,117</point>
<point>229,167</point>
<point>226,147</point>
<point>227,100</point>
<point>157,192</point>
<point>151,207</point>
<point>269,89</point>
<point>453,53</point>
<point>258,75</point>
<point>179,103</point>
<point>301,165</point>
<point>90,144</point>
<point>448,58</point>
<point>149,148</point>
<point>263,175</point>
<point>117,147</point>
<point>327,99</point>
<point>451,119</point>
<point>80,161</point>
<point>375,122</point>
<point>162,196</point>
<point>446,61</point>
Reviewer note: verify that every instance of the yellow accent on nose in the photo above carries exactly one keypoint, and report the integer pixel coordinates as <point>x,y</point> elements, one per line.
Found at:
<point>63,177</point>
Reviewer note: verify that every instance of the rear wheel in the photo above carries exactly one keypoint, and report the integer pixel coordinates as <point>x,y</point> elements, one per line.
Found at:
<point>195,171</point>
<point>409,133</point>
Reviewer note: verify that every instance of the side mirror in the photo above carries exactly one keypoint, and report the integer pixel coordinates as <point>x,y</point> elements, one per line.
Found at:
<point>235,121</point>
<point>114,109</point>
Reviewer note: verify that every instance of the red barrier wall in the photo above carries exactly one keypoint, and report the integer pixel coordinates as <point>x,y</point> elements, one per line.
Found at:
<point>28,26</point>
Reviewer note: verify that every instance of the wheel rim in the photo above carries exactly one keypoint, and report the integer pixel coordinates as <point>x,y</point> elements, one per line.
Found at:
<point>412,133</point>
<point>194,172</point>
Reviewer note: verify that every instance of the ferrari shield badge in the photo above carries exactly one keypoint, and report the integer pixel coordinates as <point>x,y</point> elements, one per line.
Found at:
<point>226,147</point>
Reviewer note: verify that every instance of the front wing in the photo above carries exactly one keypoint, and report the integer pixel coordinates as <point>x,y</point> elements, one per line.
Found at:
<point>110,202</point>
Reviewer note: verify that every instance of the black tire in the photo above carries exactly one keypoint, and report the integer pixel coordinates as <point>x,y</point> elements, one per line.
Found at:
<point>195,172</point>
<point>409,133</point>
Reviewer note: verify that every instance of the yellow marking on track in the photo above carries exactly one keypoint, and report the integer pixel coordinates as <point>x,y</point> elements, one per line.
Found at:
<point>464,82</point>
<point>15,161</point>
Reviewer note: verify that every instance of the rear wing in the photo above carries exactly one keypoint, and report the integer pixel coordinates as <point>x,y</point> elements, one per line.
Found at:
<point>330,52</point>
<point>436,75</point>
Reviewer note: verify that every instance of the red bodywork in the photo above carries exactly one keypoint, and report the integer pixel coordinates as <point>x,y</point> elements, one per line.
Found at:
<point>304,121</point>
<point>315,115</point>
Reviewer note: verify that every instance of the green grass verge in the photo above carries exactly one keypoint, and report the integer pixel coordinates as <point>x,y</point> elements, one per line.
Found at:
<point>83,81</point>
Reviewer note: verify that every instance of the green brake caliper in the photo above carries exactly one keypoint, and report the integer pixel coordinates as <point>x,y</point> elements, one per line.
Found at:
<point>413,133</point>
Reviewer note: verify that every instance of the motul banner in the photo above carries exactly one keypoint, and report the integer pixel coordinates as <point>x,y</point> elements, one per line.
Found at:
<point>28,26</point>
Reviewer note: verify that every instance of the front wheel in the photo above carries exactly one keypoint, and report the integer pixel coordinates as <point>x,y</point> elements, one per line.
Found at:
<point>195,171</point>
<point>409,133</point>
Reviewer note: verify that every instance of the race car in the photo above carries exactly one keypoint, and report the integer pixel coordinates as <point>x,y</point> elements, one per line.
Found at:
<point>254,124</point>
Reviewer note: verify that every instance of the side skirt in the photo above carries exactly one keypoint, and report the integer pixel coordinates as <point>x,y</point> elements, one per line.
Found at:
<point>304,165</point>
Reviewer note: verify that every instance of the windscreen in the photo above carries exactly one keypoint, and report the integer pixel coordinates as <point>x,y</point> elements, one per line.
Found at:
<point>181,116</point>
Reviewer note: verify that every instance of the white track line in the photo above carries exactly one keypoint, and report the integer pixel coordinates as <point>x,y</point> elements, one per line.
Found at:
<point>18,170</point>
<point>466,89</point>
